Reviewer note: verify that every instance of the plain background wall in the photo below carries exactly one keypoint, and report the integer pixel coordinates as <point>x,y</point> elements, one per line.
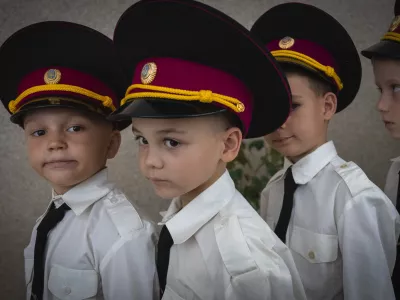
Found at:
<point>358,131</point>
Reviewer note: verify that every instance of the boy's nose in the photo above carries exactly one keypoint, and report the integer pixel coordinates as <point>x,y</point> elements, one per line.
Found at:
<point>56,142</point>
<point>153,159</point>
<point>383,103</point>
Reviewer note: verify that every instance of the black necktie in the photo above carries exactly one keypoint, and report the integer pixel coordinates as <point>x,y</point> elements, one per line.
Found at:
<point>164,246</point>
<point>286,212</point>
<point>48,223</point>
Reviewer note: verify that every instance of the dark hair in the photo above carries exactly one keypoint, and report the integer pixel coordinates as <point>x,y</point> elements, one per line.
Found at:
<point>231,120</point>
<point>318,83</point>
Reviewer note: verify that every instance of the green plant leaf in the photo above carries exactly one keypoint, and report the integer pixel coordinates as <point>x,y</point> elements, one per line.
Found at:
<point>257,144</point>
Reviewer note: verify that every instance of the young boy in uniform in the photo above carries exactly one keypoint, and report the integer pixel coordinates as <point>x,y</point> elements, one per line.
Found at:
<point>200,82</point>
<point>385,57</point>
<point>59,81</point>
<point>341,228</point>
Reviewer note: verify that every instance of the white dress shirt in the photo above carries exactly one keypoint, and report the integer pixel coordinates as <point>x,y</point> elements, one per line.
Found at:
<point>102,249</point>
<point>343,229</point>
<point>392,180</point>
<point>223,250</point>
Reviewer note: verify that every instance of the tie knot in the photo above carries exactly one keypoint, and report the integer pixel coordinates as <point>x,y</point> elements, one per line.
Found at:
<point>289,180</point>
<point>52,218</point>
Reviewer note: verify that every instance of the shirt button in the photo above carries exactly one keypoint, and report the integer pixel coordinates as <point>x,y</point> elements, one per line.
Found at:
<point>344,166</point>
<point>311,254</point>
<point>67,290</point>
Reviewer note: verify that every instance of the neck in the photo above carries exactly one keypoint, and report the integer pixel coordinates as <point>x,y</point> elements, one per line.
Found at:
<point>188,197</point>
<point>62,189</point>
<point>295,159</point>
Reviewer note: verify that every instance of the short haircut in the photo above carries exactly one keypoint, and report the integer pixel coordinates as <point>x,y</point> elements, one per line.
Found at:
<point>317,82</point>
<point>230,120</point>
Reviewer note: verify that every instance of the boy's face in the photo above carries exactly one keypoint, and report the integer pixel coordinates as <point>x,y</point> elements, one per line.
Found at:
<point>182,157</point>
<point>66,147</point>
<point>306,127</point>
<point>387,79</point>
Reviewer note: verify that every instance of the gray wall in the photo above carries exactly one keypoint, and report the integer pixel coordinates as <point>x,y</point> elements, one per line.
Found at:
<point>358,132</point>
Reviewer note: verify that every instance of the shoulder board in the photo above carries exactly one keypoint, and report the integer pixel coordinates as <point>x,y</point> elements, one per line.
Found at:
<point>235,252</point>
<point>354,177</point>
<point>122,213</point>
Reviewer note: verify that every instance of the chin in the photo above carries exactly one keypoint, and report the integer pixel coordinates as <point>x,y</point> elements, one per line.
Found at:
<point>165,194</point>
<point>289,151</point>
<point>395,134</point>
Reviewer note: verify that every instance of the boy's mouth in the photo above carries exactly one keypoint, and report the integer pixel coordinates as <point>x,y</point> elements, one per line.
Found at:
<point>282,139</point>
<point>388,123</point>
<point>59,163</point>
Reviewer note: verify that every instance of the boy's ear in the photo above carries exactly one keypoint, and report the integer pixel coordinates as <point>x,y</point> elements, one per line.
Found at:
<point>330,105</point>
<point>115,143</point>
<point>232,141</point>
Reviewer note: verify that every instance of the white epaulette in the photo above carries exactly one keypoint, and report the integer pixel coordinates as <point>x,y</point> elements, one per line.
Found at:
<point>354,177</point>
<point>235,252</point>
<point>122,213</point>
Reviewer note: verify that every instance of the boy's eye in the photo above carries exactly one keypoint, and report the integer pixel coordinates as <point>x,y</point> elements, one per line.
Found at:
<point>39,132</point>
<point>295,105</point>
<point>141,140</point>
<point>74,128</point>
<point>396,88</point>
<point>171,143</point>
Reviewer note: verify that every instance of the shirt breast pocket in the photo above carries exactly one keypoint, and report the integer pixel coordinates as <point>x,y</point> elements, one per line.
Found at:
<point>72,284</point>
<point>314,247</point>
<point>170,294</point>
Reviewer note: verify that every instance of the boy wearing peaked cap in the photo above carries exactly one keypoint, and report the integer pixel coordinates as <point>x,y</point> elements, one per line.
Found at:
<point>194,95</point>
<point>91,242</point>
<point>341,228</point>
<point>385,57</point>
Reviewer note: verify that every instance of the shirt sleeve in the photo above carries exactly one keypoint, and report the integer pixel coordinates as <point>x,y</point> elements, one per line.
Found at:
<point>368,231</point>
<point>128,271</point>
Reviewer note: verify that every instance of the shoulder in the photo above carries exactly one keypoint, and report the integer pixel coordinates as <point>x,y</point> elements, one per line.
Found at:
<point>353,178</point>
<point>124,216</point>
<point>242,237</point>
<point>277,176</point>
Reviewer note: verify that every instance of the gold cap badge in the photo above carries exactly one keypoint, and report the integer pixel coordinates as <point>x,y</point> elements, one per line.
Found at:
<point>149,72</point>
<point>286,43</point>
<point>52,76</point>
<point>395,23</point>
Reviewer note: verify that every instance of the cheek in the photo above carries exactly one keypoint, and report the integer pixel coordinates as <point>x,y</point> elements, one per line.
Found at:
<point>34,150</point>
<point>269,138</point>
<point>395,107</point>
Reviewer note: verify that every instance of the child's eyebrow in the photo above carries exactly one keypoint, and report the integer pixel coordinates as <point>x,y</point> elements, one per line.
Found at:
<point>134,130</point>
<point>171,130</point>
<point>296,97</point>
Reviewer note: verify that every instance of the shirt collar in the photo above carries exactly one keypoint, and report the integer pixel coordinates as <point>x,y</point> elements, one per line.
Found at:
<point>81,196</point>
<point>306,168</point>
<point>395,159</point>
<point>183,223</point>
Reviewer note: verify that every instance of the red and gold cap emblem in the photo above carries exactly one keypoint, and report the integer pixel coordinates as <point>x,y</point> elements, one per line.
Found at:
<point>286,43</point>
<point>52,76</point>
<point>148,73</point>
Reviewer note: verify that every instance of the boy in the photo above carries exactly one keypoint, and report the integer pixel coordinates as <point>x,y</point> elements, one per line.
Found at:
<point>385,57</point>
<point>341,228</point>
<point>198,87</point>
<point>91,242</point>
